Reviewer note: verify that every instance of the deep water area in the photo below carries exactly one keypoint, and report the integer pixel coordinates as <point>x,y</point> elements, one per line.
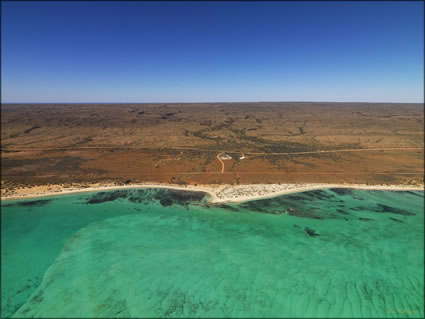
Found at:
<point>169,253</point>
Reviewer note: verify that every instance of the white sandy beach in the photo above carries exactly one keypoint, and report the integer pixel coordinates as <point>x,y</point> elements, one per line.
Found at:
<point>218,193</point>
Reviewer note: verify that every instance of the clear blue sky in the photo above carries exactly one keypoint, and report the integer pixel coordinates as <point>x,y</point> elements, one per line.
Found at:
<point>223,51</point>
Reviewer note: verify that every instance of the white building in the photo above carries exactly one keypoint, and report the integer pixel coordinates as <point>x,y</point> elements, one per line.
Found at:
<point>225,157</point>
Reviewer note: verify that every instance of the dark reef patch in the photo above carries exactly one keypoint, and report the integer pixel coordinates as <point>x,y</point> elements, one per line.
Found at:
<point>413,193</point>
<point>255,206</point>
<point>103,197</point>
<point>137,196</point>
<point>168,197</point>
<point>295,197</point>
<point>360,209</point>
<point>166,201</point>
<point>38,203</point>
<point>317,194</point>
<point>303,214</point>
<point>342,212</point>
<point>140,196</point>
<point>341,191</point>
<point>311,232</point>
<point>185,196</point>
<point>277,212</point>
<point>381,208</point>
<point>293,205</point>
<point>227,207</point>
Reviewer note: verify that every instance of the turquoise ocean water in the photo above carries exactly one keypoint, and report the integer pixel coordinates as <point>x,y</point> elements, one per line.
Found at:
<point>166,253</point>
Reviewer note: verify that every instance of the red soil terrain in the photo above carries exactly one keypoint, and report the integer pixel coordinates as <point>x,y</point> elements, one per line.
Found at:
<point>180,143</point>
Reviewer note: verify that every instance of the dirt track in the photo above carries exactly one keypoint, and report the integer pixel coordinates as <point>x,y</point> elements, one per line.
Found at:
<point>221,161</point>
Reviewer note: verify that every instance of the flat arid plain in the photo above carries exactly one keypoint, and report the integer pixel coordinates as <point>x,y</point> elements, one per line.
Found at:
<point>211,143</point>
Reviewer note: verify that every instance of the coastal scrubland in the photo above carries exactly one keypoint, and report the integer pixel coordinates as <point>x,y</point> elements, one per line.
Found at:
<point>368,143</point>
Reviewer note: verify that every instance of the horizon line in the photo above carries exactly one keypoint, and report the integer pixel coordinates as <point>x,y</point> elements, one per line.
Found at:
<point>206,102</point>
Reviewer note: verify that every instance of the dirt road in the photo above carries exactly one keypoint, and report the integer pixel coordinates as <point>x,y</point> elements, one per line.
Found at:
<point>221,161</point>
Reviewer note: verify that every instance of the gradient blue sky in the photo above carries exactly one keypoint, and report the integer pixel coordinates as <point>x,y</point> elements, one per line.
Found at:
<point>223,51</point>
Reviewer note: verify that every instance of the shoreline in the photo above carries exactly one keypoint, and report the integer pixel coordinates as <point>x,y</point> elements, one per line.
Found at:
<point>218,193</point>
